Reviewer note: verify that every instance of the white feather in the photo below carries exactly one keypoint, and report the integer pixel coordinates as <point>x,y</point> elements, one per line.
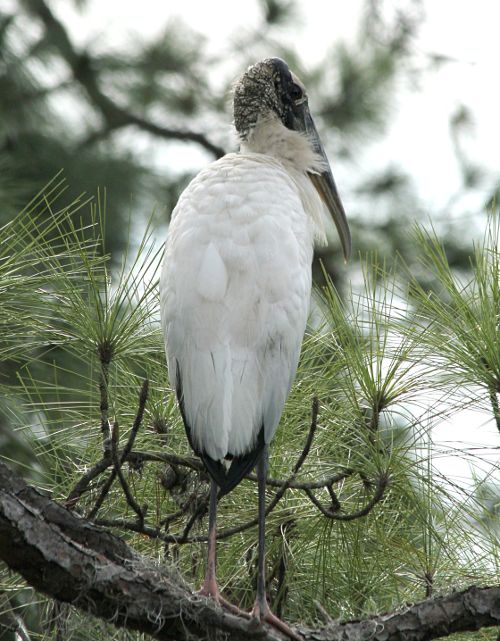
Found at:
<point>235,290</point>
<point>212,278</point>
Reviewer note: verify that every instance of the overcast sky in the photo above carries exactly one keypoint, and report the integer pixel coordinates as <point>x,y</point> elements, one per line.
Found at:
<point>464,32</point>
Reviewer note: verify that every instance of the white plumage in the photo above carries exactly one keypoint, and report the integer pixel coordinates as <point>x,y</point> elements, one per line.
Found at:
<point>235,290</point>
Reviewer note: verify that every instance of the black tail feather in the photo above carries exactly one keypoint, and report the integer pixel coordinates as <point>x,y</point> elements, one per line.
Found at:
<point>226,479</point>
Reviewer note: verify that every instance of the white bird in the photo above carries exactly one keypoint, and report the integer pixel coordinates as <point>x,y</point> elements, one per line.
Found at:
<point>236,283</point>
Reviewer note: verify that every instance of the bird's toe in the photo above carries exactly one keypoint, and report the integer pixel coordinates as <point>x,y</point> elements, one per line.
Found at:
<point>264,615</point>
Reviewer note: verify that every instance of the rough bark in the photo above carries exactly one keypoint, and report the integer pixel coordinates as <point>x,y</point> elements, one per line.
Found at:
<point>74,561</point>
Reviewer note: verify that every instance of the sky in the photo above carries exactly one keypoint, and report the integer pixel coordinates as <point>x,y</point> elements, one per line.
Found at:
<point>464,32</point>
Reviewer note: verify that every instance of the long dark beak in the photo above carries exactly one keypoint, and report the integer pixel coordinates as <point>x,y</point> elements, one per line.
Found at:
<point>323,181</point>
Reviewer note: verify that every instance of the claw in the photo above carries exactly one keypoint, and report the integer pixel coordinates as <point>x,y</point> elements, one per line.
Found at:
<point>264,614</point>
<point>211,589</point>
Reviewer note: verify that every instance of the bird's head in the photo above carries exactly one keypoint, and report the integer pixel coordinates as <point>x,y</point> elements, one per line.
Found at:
<point>269,90</point>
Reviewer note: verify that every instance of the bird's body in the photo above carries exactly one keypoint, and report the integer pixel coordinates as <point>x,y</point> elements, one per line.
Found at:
<point>236,282</point>
<point>235,293</point>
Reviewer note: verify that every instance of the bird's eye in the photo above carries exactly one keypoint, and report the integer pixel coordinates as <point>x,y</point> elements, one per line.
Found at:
<point>296,92</point>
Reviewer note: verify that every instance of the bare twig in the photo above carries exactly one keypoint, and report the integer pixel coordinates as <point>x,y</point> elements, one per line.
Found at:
<point>143,396</point>
<point>191,462</point>
<point>199,511</point>
<point>333,512</point>
<point>102,495</point>
<point>104,407</point>
<point>309,440</point>
<point>82,485</point>
<point>118,471</point>
<point>166,521</point>
<point>310,485</point>
<point>135,459</point>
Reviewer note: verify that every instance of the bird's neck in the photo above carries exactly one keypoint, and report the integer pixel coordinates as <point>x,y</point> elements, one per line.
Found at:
<point>294,151</point>
<point>270,137</point>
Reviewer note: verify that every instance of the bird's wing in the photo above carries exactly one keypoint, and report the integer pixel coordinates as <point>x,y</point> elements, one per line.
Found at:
<point>235,291</point>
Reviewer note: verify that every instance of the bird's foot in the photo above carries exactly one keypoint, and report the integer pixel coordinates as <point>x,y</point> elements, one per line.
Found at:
<point>211,589</point>
<point>263,614</point>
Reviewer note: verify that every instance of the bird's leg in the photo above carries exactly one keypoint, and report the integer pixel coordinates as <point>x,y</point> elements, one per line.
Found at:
<point>261,608</point>
<point>210,587</point>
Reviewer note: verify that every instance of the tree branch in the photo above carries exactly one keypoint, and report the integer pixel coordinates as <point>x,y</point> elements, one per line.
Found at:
<point>333,511</point>
<point>137,458</point>
<point>76,562</point>
<point>123,481</point>
<point>493,391</point>
<point>84,73</point>
<point>117,463</point>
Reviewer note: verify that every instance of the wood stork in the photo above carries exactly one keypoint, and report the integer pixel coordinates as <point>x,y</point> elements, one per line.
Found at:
<point>236,282</point>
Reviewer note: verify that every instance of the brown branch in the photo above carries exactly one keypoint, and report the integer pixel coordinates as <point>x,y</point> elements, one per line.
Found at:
<point>83,70</point>
<point>117,462</point>
<point>143,397</point>
<point>82,485</point>
<point>492,389</point>
<point>123,481</point>
<point>134,526</point>
<point>104,407</point>
<point>326,481</point>
<point>74,561</point>
<point>333,512</point>
<point>119,459</point>
<point>198,512</point>
<point>135,459</point>
<point>102,494</point>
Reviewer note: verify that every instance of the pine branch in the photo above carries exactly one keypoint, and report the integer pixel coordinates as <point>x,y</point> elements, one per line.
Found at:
<point>121,477</point>
<point>71,560</point>
<point>117,462</point>
<point>493,392</point>
<point>116,459</point>
<point>83,70</point>
<point>333,511</point>
<point>10,621</point>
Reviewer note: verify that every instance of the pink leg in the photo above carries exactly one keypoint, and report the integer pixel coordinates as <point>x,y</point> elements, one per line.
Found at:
<point>261,608</point>
<point>210,587</point>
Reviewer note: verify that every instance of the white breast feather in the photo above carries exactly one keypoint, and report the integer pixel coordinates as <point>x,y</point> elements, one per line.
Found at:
<point>234,292</point>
